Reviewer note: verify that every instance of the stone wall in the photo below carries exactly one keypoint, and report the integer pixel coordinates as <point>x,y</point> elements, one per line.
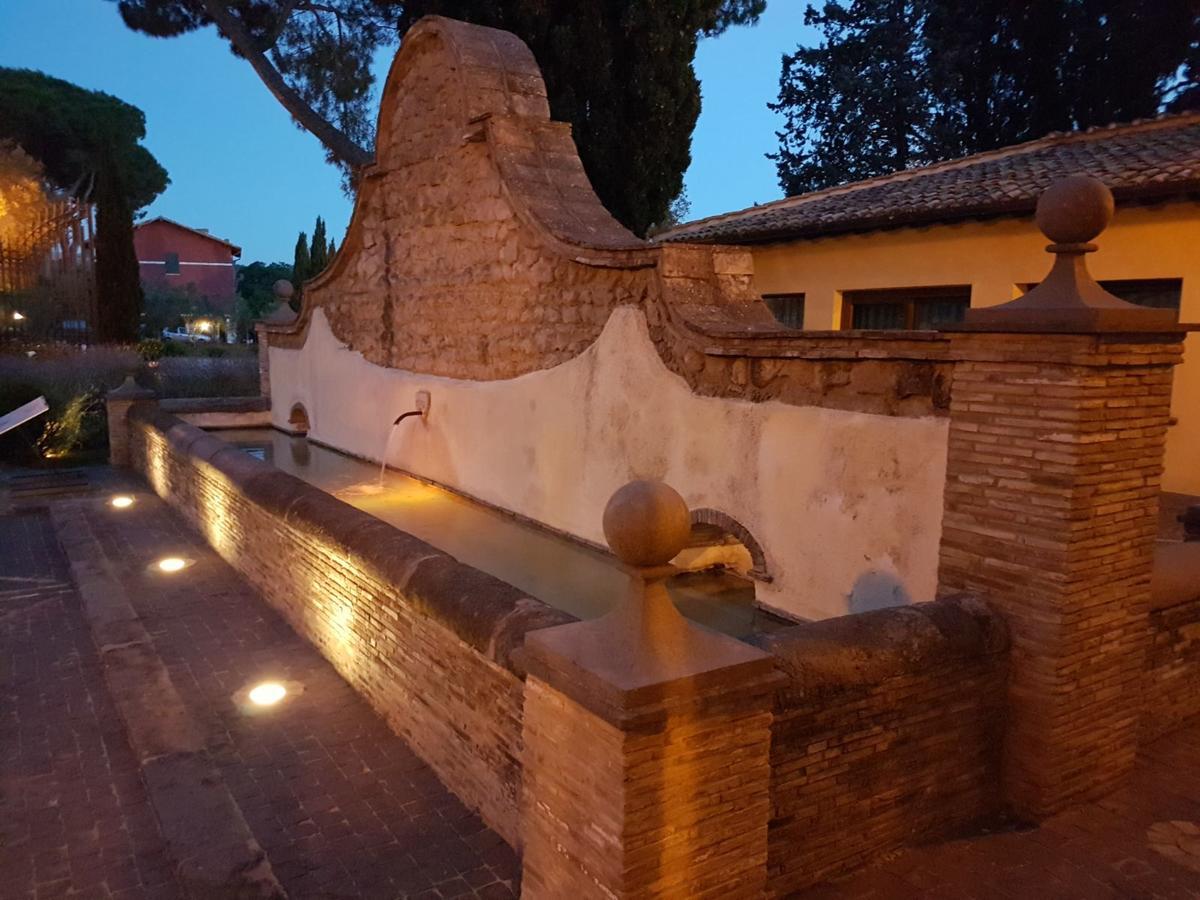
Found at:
<point>1171,693</point>
<point>427,640</point>
<point>887,734</point>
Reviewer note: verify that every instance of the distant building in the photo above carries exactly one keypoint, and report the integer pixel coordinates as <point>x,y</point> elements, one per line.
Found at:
<point>171,255</point>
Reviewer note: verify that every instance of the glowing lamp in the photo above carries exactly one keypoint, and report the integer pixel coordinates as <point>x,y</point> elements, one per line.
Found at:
<point>267,694</point>
<point>121,501</point>
<point>17,317</point>
<point>171,564</point>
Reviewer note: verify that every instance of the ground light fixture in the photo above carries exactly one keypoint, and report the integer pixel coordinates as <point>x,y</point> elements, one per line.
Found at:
<point>121,501</point>
<point>267,694</point>
<point>169,565</point>
<point>258,698</point>
<point>17,317</point>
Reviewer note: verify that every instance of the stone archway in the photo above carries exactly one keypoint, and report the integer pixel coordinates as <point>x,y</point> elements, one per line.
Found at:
<point>741,533</point>
<point>298,419</point>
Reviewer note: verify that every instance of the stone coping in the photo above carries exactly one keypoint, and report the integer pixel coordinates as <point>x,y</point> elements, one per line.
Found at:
<point>192,405</point>
<point>486,613</point>
<point>866,648</point>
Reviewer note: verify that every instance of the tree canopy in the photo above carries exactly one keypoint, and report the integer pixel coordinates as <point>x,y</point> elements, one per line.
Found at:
<point>89,143</point>
<point>620,71</point>
<point>900,83</point>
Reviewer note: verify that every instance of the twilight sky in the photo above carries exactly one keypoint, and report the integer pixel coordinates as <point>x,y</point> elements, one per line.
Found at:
<point>242,169</point>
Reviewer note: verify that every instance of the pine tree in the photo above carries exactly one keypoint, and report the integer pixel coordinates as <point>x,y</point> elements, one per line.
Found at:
<point>856,104</point>
<point>619,71</point>
<point>318,251</point>
<point>896,83</point>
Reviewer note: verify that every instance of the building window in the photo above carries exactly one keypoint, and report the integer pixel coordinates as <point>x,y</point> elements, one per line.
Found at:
<point>1157,293</point>
<point>911,309</point>
<point>172,263</point>
<point>788,309</point>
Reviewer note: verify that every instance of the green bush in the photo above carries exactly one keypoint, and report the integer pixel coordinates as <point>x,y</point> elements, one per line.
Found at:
<point>79,429</point>
<point>151,349</point>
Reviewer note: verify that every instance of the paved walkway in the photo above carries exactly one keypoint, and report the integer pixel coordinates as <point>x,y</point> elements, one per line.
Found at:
<point>1142,843</point>
<point>340,805</point>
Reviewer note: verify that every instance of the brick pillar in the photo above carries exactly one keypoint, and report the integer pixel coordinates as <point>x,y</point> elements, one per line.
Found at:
<point>646,746</point>
<point>1060,403</point>
<point>116,405</point>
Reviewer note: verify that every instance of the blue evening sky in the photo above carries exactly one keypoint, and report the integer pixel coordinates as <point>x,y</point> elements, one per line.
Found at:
<point>240,168</point>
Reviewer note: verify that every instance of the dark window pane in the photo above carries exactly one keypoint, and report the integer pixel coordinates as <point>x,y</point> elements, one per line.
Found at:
<point>878,316</point>
<point>172,261</point>
<point>933,314</point>
<point>1157,293</point>
<point>788,309</point>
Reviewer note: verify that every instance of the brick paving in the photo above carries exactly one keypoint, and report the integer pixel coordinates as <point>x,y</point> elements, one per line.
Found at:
<point>1140,843</point>
<point>74,817</point>
<point>340,804</point>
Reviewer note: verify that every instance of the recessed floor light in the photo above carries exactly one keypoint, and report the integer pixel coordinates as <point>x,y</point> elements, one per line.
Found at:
<point>267,694</point>
<point>121,501</point>
<point>169,565</point>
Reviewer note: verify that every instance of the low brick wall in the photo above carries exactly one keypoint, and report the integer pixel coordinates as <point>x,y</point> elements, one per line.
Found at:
<point>427,640</point>
<point>1171,692</point>
<point>888,733</point>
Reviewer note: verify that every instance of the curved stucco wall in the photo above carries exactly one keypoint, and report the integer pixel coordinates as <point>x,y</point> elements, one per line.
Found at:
<point>847,506</point>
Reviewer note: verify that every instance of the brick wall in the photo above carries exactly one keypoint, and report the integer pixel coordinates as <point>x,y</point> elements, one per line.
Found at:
<point>887,733</point>
<point>425,639</point>
<point>1171,687</point>
<point>1051,499</point>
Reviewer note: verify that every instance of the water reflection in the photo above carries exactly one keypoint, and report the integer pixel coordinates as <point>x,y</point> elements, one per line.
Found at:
<point>558,571</point>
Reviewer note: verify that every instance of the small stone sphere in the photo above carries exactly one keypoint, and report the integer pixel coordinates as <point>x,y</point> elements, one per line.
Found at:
<point>646,523</point>
<point>283,290</point>
<point>1075,209</point>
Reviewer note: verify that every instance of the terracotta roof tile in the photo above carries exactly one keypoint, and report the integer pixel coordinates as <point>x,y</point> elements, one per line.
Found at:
<point>1144,160</point>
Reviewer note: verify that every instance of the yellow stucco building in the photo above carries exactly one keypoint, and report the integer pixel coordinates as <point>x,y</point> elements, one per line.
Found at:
<point>915,249</point>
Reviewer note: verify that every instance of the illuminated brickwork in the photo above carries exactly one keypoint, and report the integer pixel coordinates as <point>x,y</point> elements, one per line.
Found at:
<point>425,639</point>
<point>1055,460</point>
<point>887,734</point>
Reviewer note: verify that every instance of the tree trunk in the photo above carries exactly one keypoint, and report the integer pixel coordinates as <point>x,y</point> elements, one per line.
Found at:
<point>118,282</point>
<point>323,130</point>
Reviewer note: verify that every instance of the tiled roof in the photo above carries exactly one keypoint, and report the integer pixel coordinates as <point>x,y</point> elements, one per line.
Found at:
<point>201,232</point>
<point>1154,158</point>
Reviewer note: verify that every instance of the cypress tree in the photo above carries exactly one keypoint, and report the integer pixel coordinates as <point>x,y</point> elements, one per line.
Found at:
<point>332,250</point>
<point>300,263</point>
<point>317,254</point>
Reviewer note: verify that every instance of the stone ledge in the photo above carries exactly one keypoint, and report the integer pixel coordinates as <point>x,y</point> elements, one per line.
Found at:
<point>488,614</point>
<point>869,647</point>
<point>191,405</point>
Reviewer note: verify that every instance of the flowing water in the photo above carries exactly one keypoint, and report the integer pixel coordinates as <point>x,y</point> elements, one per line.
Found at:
<point>558,571</point>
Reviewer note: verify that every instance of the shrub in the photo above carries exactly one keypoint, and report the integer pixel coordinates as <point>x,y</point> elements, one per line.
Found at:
<point>151,349</point>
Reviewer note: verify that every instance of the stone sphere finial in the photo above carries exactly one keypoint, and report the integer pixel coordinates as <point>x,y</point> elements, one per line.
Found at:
<point>646,523</point>
<point>1075,209</point>
<point>283,289</point>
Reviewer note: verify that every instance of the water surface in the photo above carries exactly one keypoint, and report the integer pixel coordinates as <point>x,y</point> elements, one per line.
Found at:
<point>558,571</point>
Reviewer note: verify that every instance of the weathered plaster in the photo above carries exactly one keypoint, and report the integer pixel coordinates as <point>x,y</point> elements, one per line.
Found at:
<point>847,506</point>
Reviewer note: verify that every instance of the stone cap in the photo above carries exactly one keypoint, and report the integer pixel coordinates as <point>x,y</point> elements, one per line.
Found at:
<point>129,390</point>
<point>1072,212</point>
<point>633,665</point>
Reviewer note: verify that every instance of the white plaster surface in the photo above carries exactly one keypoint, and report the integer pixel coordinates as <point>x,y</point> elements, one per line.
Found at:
<point>847,506</point>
